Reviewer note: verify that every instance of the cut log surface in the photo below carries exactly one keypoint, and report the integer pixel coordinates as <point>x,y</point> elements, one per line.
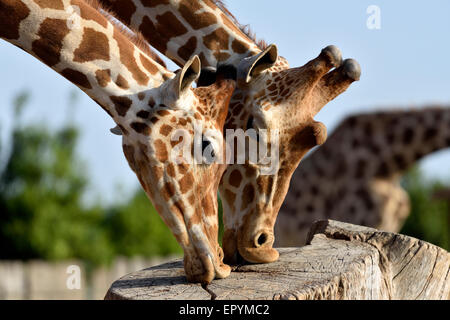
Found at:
<point>340,261</point>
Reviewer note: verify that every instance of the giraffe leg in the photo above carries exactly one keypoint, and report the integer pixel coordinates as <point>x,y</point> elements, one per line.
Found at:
<point>335,82</point>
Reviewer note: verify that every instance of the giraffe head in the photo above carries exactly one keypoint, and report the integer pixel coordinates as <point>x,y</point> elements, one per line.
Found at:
<point>158,141</point>
<point>283,101</point>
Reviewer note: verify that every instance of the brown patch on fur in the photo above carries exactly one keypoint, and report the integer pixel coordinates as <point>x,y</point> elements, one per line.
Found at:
<point>143,114</point>
<point>216,40</point>
<point>149,65</point>
<point>186,183</point>
<point>161,150</point>
<point>245,29</point>
<point>122,83</point>
<point>88,12</point>
<point>235,178</point>
<point>230,197</point>
<point>52,33</point>
<point>186,51</point>
<point>50,4</point>
<point>165,130</point>
<point>248,195</point>
<point>103,77</point>
<point>168,191</point>
<point>122,104</point>
<point>77,78</point>
<point>159,32</point>
<point>12,13</point>
<point>163,113</point>
<point>141,128</point>
<point>171,170</point>
<point>125,8</point>
<point>197,21</point>
<point>94,46</point>
<point>128,60</point>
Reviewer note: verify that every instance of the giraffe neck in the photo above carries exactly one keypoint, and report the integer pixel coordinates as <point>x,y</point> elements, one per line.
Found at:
<point>354,176</point>
<point>180,29</point>
<point>382,145</point>
<point>85,47</point>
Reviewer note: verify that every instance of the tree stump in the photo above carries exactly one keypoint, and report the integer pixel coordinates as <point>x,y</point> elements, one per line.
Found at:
<point>340,261</point>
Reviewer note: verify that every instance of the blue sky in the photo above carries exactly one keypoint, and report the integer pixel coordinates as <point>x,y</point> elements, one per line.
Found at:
<point>404,64</point>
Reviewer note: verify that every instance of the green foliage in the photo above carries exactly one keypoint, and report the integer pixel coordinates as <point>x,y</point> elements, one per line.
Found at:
<point>430,217</point>
<point>137,229</point>
<point>42,214</point>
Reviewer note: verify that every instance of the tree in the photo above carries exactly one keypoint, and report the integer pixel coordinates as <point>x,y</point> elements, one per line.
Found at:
<point>429,219</point>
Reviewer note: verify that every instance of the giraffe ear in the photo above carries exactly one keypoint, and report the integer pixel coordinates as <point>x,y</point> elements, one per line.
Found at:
<point>187,75</point>
<point>251,67</point>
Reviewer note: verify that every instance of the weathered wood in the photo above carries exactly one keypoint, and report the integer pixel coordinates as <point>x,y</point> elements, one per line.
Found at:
<point>341,261</point>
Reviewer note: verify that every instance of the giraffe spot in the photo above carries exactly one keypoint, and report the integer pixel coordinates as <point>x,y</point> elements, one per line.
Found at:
<point>48,47</point>
<point>208,205</point>
<point>216,40</point>
<point>163,113</point>
<point>154,120</point>
<point>161,150</point>
<point>165,130</point>
<point>400,162</point>
<point>196,20</point>
<point>239,47</point>
<point>197,116</point>
<point>171,170</point>
<point>77,78</point>
<point>122,83</point>
<point>154,3</point>
<point>158,172</point>
<point>141,128</point>
<point>430,133</point>
<point>126,8</point>
<point>230,198</point>
<point>361,167</point>
<point>186,182</point>
<point>183,168</point>
<point>168,191</point>
<point>173,119</point>
<point>122,104</point>
<point>141,96</point>
<point>143,114</point>
<point>186,50</point>
<point>89,13</point>
<point>103,77</point>
<point>126,52</point>
<point>248,195</point>
<point>383,170</point>
<point>50,4</point>
<point>12,13</point>
<point>149,65</point>
<point>182,121</point>
<point>364,195</point>
<point>408,135</point>
<point>159,31</point>
<point>235,178</point>
<point>250,171</point>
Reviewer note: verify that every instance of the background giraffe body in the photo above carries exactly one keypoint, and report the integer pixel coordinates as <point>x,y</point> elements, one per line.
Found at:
<point>79,40</point>
<point>269,96</point>
<point>355,176</point>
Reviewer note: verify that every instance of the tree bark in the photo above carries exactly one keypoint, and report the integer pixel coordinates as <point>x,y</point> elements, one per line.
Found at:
<point>340,261</point>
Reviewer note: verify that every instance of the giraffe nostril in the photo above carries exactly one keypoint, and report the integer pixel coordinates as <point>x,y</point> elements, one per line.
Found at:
<point>262,239</point>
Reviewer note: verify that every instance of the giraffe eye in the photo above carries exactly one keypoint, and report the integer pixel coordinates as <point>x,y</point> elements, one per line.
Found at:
<point>205,145</point>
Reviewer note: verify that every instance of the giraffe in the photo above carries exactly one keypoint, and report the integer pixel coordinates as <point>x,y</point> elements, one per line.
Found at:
<point>269,95</point>
<point>355,176</point>
<point>81,42</point>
